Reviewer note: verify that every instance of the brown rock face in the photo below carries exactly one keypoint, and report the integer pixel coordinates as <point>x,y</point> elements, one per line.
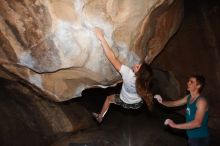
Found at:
<point>50,45</point>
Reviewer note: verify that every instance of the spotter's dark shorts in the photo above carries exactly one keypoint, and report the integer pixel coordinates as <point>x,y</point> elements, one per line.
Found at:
<point>199,141</point>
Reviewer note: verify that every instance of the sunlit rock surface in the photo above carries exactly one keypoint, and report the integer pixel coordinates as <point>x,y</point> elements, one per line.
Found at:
<point>51,47</point>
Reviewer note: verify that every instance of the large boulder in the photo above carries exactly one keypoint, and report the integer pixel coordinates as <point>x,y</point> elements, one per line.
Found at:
<point>50,45</point>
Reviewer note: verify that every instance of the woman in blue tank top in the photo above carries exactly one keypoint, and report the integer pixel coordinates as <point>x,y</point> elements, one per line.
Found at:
<point>196,123</point>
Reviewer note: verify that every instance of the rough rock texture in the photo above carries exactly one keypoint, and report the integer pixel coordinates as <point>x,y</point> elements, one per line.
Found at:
<point>50,45</point>
<point>27,119</point>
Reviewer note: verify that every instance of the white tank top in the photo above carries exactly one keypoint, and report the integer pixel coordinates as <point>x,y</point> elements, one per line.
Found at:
<point>128,92</point>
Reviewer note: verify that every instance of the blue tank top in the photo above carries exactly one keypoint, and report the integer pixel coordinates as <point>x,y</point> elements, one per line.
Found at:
<point>202,131</point>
